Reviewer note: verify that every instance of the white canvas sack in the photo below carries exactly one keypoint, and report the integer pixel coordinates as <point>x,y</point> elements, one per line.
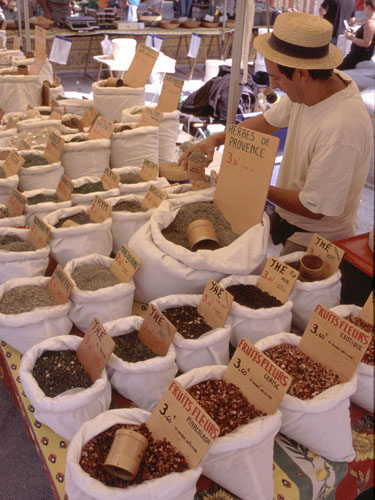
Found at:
<point>19,91</point>
<point>80,486</point>
<point>68,243</point>
<point>125,224</point>
<point>55,92</point>
<point>22,264</point>
<point>76,106</point>
<point>46,71</point>
<point>39,176</point>
<point>34,124</point>
<point>364,394</point>
<point>85,159</point>
<point>322,424</point>
<point>211,348</point>
<point>24,330</point>
<point>168,268</point>
<point>70,130</point>
<point>307,295</point>
<point>132,147</point>
<point>110,101</point>
<point>143,382</point>
<point>139,187</point>
<point>168,130</point>
<point>19,221</point>
<point>254,324</point>
<point>64,413</point>
<point>6,187</point>
<point>5,135</point>
<point>106,304</point>
<point>241,461</point>
<point>42,209</point>
<point>86,198</point>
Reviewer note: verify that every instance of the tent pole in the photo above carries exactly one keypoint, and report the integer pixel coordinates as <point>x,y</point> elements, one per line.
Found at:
<point>27,24</point>
<point>223,32</point>
<point>19,21</point>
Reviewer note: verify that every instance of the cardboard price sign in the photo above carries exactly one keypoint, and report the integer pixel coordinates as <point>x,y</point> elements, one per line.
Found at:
<point>334,342</point>
<point>54,147</point>
<point>100,210</point>
<point>215,304</point>
<point>156,331</point>
<point>57,113</point>
<point>37,64</point>
<point>183,422</point>
<point>367,311</point>
<point>153,197</point>
<point>16,203</point>
<point>277,279</point>
<point>64,188</point>
<point>16,43</point>
<point>150,116</point>
<point>60,286</point>
<point>126,263</point>
<point>149,170</point>
<point>40,41</point>
<point>201,184</point>
<point>245,175</point>
<point>328,252</point>
<point>141,66</point>
<point>95,349</point>
<point>261,380</point>
<point>39,233</point>
<point>101,129</point>
<point>12,164</point>
<point>170,94</point>
<point>88,118</point>
<point>110,179</point>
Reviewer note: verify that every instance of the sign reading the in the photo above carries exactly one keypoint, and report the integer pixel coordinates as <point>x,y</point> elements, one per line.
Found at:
<point>277,279</point>
<point>215,304</point>
<point>156,331</point>
<point>330,254</point>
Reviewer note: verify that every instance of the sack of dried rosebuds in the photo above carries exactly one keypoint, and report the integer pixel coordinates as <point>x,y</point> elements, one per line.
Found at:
<point>364,394</point>
<point>315,410</point>
<point>86,478</point>
<point>307,295</point>
<point>241,458</point>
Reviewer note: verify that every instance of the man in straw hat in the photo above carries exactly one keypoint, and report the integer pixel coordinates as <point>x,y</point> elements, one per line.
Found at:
<point>328,146</point>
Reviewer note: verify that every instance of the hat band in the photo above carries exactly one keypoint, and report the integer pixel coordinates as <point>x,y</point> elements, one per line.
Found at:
<point>292,50</point>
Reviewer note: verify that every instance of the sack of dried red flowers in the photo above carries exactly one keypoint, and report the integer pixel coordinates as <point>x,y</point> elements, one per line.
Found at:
<point>315,410</point>
<point>134,370</point>
<point>196,343</point>
<point>67,411</point>
<point>265,316</point>
<point>86,479</point>
<point>307,295</point>
<point>241,458</point>
<point>364,394</point>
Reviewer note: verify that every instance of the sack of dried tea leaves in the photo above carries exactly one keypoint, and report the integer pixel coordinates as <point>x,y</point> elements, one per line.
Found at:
<point>106,303</point>
<point>110,101</point>
<point>132,183</point>
<point>66,412</point>
<point>19,91</point>
<point>242,460</point>
<point>42,208</point>
<point>131,147</point>
<point>322,423</point>
<point>145,381</point>
<point>86,191</point>
<point>37,173</point>
<point>81,486</point>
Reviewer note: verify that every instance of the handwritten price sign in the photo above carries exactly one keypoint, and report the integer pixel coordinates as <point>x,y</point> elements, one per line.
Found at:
<point>215,304</point>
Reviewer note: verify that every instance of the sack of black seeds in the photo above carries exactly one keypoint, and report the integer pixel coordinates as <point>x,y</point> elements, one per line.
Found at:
<point>364,394</point>
<point>194,348</point>
<point>242,460</point>
<point>145,379</point>
<point>132,183</point>
<point>322,422</point>
<point>37,173</point>
<point>307,295</point>
<point>131,147</point>
<point>41,318</point>
<point>18,258</point>
<point>81,486</point>
<point>7,184</point>
<point>97,292</point>
<point>261,320</point>
<point>6,134</point>
<point>175,268</point>
<point>6,221</point>
<point>127,217</point>
<point>68,243</point>
<point>67,411</point>
<point>85,189</point>
<point>42,202</point>
<point>110,101</point>
<point>85,158</point>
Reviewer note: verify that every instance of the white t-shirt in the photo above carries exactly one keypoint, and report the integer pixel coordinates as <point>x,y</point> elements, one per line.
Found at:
<point>326,158</point>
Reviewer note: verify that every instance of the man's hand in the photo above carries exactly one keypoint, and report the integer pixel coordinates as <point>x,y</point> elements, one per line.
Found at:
<point>207,147</point>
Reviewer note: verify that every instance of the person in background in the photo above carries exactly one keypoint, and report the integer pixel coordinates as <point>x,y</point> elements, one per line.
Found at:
<point>57,10</point>
<point>336,11</point>
<point>129,9</point>
<point>363,40</point>
<point>328,145</point>
<point>3,3</point>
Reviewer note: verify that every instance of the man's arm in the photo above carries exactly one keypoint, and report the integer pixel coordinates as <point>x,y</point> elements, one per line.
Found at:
<point>288,199</point>
<point>43,4</point>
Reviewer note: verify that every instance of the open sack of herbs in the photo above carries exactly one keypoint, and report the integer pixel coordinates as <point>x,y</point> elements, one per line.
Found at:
<point>163,471</point>
<point>110,101</point>
<point>131,145</point>
<point>7,221</point>
<point>18,257</point>
<point>85,188</point>
<point>365,372</point>
<point>28,313</point>
<point>254,313</point>
<point>83,238</point>
<point>315,410</point>
<point>135,371</point>
<point>33,124</point>
<point>132,183</point>
<point>42,202</point>
<point>37,172</point>
<point>60,390</point>
<point>97,291</point>
<point>84,157</point>
<point>7,184</point>
<point>196,343</point>
<point>307,295</point>
<point>241,458</point>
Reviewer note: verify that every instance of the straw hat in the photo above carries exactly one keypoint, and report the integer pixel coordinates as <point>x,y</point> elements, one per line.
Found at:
<point>300,40</point>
